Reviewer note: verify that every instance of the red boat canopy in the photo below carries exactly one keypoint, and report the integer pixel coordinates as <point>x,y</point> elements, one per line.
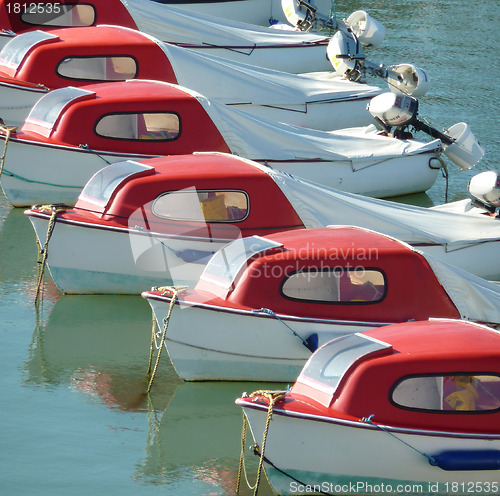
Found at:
<point>108,53</point>
<point>171,193</point>
<point>135,116</point>
<point>431,375</point>
<point>341,273</point>
<point>27,15</point>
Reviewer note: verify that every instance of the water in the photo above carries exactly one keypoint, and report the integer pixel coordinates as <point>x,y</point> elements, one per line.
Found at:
<point>74,419</point>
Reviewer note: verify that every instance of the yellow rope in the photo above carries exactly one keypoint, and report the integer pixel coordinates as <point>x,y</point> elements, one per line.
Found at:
<point>175,291</point>
<point>43,251</point>
<point>8,131</point>
<point>273,397</point>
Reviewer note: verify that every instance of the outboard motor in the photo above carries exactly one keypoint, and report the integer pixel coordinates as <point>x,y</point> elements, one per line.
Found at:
<point>401,111</point>
<point>485,188</point>
<point>347,58</point>
<point>304,15</point>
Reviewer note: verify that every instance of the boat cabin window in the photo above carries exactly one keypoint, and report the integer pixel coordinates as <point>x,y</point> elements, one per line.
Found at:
<point>325,369</point>
<point>15,50</point>
<point>333,285</point>
<point>226,264</point>
<point>450,393</point>
<point>111,68</point>
<point>101,185</point>
<point>202,205</point>
<point>46,111</point>
<point>58,14</point>
<point>160,126</point>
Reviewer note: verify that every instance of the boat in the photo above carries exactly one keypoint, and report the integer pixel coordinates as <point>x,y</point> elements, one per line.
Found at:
<point>158,220</point>
<point>128,243</point>
<point>286,50</point>
<point>36,62</point>
<point>412,408</point>
<point>71,133</point>
<point>263,304</point>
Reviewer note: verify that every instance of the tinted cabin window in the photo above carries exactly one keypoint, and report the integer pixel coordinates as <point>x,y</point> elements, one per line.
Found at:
<point>336,286</point>
<point>460,393</point>
<point>117,68</point>
<point>56,14</point>
<point>202,206</point>
<point>162,126</point>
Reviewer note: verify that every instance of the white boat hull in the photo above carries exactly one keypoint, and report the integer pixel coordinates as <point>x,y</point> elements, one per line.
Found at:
<point>112,260</point>
<point>321,455</point>
<point>38,173</point>
<point>16,102</point>
<point>213,343</point>
<point>119,261</point>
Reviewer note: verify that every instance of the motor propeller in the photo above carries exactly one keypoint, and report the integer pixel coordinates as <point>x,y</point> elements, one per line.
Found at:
<point>401,111</point>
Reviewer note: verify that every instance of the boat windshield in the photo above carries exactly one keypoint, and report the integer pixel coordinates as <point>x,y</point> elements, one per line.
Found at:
<point>325,369</point>
<point>102,184</point>
<point>46,111</point>
<point>227,263</point>
<point>16,49</point>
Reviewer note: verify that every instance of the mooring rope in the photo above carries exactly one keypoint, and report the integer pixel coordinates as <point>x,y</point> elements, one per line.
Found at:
<point>273,397</point>
<point>272,314</point>
<point>175,291</point>
<point>8,131</point>
<point>43,251</point>
<point>87,147</point>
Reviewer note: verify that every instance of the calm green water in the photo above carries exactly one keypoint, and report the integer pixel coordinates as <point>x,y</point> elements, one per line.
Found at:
<point>73,417</point>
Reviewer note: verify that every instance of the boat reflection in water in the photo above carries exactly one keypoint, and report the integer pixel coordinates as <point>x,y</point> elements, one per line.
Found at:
<point>99,345</point>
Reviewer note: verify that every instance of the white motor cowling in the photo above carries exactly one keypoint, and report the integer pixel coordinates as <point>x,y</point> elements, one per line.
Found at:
<point>394,109</point>
<point>368,30</point>
<point>293,13</point>
<point>345,54</point>
<point>485,186</point>
<point>408,80</point>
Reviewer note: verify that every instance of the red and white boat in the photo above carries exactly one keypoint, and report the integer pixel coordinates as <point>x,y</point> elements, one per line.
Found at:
<point>124,241</point>
<point>263,304</point>
<point>286,50</point>
<point>35,62</point>
<point>158,221</point>
<point>412,408</point>
<point>71,133</point>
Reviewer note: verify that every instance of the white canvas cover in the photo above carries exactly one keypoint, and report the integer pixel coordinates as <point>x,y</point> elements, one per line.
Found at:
<point>319,206</point>
<point>475,298</point>
<point>176,25</point>
<point>259,139</point>
<point>235,82</point>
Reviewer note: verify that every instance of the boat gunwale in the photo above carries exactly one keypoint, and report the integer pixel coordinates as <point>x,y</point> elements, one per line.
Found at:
<point>256,313</point>
<point>243,403</point>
